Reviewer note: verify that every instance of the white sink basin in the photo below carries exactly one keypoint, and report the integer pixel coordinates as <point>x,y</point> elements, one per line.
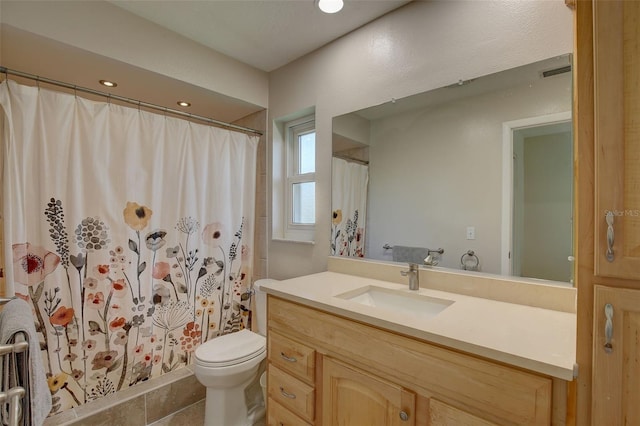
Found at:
<point>398,301</point>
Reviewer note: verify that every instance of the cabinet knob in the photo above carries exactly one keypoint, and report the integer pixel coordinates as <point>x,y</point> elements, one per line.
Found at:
<point>404,416</point>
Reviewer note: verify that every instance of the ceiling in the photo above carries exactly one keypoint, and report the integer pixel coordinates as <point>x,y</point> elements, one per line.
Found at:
<point>40,56</point>
<point>266,34</point>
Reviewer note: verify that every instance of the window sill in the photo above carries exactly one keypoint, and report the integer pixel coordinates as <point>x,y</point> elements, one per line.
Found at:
<point>288,240</point>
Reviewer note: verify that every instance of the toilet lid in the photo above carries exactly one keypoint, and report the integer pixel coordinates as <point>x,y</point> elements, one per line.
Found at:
<point>231,349</point>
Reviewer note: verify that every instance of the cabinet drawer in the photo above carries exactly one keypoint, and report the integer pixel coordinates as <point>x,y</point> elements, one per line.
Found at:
<point>292,393</point>
<point>277,415</point>
<point>291,356</point>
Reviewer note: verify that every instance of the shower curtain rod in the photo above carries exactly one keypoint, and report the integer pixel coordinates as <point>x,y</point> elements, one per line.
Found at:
<point>7,71</point>
<point>352,160</point>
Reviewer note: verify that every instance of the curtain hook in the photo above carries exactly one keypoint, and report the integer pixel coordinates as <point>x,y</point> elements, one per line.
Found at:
<point>139,102</point>
<point>38,82</point>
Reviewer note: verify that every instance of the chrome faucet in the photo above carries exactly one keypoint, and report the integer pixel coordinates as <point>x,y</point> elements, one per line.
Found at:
<point>414,277</point>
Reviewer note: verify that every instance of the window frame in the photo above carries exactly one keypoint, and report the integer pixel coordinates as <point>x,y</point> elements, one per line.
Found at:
<point>293,130</point>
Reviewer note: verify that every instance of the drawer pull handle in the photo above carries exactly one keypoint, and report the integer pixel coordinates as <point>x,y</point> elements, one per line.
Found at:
<point>404,416</point>
<point>608,328</point>
<point>287,394</point>
<point>288,358</point>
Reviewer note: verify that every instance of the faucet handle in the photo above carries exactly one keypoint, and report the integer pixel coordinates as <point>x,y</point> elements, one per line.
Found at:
<point>413,267</point>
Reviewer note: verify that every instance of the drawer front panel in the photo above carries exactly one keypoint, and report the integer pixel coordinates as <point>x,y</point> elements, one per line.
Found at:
<point>279,416</point>
<point>292,393</point>
<point>291,356</point>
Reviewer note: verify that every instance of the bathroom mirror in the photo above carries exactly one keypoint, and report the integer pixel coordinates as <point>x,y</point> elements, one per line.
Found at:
<point>481,168</point>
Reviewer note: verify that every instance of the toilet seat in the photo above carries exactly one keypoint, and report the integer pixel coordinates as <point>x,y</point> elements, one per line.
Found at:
<point>231,349</point>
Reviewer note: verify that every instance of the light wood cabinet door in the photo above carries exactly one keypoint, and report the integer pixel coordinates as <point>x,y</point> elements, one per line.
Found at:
<point>354,397</point>
<point>617,138</point>
<point>616,357</point>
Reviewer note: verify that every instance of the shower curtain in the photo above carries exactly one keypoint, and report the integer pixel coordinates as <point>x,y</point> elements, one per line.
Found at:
<point>129,233</point>
<point>349,204</point>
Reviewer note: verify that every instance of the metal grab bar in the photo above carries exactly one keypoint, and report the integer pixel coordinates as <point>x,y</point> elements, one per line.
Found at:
<point>13,397</point>
<point>387,246</point>
<point>14,348</point>
<point>14,385</point>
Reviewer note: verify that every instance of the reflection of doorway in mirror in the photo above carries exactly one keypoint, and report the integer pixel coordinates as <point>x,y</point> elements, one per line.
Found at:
<point>539,198</point>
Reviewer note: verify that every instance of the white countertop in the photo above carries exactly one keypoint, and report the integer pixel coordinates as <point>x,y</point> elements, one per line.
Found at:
<point>540,340</point>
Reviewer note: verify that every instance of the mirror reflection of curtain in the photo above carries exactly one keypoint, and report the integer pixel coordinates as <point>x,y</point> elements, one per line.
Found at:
<point>349,204</point>
<point>131,235</point>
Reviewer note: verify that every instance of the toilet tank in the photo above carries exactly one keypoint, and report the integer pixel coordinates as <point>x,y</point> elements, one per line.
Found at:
<point>261,305</point>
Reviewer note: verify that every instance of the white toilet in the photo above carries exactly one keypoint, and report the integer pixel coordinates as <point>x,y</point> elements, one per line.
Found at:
<point>228,364</point>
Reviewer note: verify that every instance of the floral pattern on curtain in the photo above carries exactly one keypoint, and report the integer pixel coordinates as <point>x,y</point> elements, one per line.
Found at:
<point>130,236</point>
<point>349,204</point>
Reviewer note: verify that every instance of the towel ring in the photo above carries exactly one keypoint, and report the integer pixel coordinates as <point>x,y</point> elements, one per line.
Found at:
<point>472,263</point>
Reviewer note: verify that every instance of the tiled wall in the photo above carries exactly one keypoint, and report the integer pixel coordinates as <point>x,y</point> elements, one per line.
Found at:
<point>258,121</point>
<point>159,401</point>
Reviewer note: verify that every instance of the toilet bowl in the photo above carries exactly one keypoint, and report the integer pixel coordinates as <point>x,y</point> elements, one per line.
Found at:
<point>228,365</point>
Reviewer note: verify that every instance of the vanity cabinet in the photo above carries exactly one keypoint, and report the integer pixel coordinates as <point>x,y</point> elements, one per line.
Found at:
<point>362,374</point>
<point>617,138</point>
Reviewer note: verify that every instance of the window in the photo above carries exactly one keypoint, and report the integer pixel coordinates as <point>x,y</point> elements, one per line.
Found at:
<point>300,180</point>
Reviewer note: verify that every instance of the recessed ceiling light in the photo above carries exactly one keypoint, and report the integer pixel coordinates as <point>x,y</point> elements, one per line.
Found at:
<point>330,6</point>
<point>184,103</point>
<point>108,83</point>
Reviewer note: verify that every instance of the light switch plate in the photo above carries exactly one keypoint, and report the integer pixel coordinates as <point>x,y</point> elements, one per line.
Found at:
<point>471,233</point>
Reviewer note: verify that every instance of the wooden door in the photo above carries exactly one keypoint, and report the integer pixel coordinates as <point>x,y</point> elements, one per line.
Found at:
<point>355,397</point>
<point>616,357</point>
<point>617,134</point>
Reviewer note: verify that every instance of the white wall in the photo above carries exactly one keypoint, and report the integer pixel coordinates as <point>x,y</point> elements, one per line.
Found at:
<point>419,47</point>
<point>102,28</point>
